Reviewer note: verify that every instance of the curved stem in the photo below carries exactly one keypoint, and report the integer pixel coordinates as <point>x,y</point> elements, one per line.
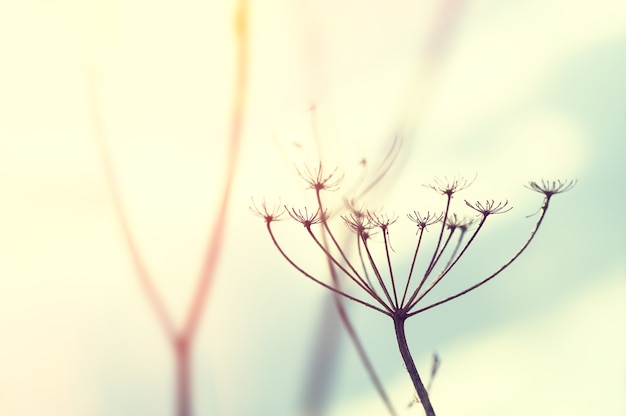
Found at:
<point>422,393</point>
<point>145,278</point>
<point>327,286</point>
<point>347,323</point>
<point>214,247</point>
<point>358,280</point>
<point>331,235</point>
<point>544,209</point>
<point>391,277</point>
<point>408,280</point>
<point>377,273</point>
<point>431,265</point>
<point>449,267</point>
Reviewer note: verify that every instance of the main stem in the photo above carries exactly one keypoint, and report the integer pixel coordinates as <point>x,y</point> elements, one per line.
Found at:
<point>182,351</point>
<point>422,393</point>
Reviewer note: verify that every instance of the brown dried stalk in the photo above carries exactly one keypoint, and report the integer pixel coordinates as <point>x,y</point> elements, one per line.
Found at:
<point>385,294</point>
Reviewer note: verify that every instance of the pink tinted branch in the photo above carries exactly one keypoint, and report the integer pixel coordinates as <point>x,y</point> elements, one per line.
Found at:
<point>145,279</point>
<point>213,251</point>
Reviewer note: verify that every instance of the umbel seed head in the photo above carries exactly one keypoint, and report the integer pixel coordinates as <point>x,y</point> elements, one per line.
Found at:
<point>549,188</point>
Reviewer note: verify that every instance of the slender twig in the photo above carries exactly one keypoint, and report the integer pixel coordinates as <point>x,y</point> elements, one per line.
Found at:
<point>182,340</point>
<point>416,298</point>
<point>145,278</point>
<point>408,280</point>
<point>544,210</point>
<point>390,306</point>
<point>214,246</point>
<point>316,280</point>
<point>333,262</point>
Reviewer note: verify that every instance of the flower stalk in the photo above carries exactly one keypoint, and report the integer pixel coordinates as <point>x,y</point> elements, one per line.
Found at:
<point>405,352</point>
<point>400,300</point>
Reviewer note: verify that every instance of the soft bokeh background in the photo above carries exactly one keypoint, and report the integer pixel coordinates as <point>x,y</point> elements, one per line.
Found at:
<point>512,91</point>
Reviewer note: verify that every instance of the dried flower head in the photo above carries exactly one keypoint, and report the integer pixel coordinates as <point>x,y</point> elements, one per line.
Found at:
<point>383,221</point>
<point>463,223</point>
<point>305,217</point>
<point>549,188</point>
<point>449,186</point>
<point>489,207</point>
<point>318,181</point>
<point>426,220</point>
<point>360,224</point>
<point>268,214</point>
<point>351,205</point>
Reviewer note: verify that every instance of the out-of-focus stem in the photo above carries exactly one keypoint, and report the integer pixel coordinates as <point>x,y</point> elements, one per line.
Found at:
<point>184,392</point>
<point>214,247</point>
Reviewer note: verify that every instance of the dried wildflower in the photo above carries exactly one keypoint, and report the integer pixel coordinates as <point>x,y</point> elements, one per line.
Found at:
<point>549,188</point>
<point>307,218</point>
<point>268,214</point>
<point>383,221</point>
<point>372,272</point>
<point>316,179</point>
<point>449,186</point>
<point>424,221</point>
<point>454,221</point>
<point>360,224</point>
<point>489,207</point>
<point>351,205</point>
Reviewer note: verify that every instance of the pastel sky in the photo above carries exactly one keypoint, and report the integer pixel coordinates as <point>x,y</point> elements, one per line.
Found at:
<point>507,91</point>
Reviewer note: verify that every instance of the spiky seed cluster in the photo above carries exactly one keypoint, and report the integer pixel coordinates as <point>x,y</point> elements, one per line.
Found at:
<point>383,221</point>
<point>489,207</point>
<point>449,186</point>
<point>549,188</point>
<point>318,181</point>
<point>426,220</point>
<point>274,213</point>
<point>307,218</point>
<point>463,223</point>
<point>360,224</point>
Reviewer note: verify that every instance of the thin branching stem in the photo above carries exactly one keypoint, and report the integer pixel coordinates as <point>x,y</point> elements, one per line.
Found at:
<point>376,271</point>
<point>330,233</point>
<point>426,275</point>
<point>544,210</point>
<point>434,283</point>
<point>347,323</point>
<point>357,279</point>
<point>443,248</point>
<point>327,286</point>
<point>456,249</point>
<point>363,266</point>
<point>390,267</point>
<point>408,280</point>
<point>213,250</point>
<point>343,314</point>
<point>431,265</point>
<point>385,166</point>
<point>145,278</point>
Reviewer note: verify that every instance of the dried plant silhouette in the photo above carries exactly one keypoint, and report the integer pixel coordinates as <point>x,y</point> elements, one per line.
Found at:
<point>317,386</point>
<point>375,282</point>
<point>182,338</point>
<point>440,36</point>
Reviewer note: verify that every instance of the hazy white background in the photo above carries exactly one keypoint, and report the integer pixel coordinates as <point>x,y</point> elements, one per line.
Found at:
<point>526,89</point>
